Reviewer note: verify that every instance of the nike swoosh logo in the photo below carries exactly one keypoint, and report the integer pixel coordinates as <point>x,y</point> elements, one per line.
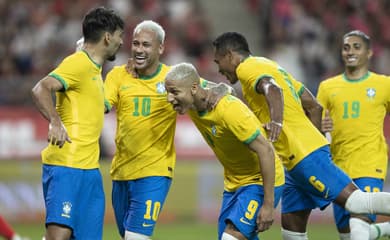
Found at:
<point>244,221</point>
<point>125,87</point>
<point>147,225</point>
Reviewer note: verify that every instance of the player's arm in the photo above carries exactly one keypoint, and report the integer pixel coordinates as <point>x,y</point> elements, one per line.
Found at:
<point>327,122</point>
<point>312,107</point>
<point>218,90</point>
<point>266,157</point>
<point>274,96</point>
<point>42,97</point>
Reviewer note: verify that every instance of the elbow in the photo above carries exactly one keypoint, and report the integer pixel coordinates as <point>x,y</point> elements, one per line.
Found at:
<point>33,92</point>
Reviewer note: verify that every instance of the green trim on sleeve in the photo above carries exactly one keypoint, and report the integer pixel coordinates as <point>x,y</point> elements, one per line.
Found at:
<point>203,83</point>
<point>301,90</point>
<point>202,113</point>
<point>253,137</point>
<point>59,78</point>
<point>259,79</point>
<point>107,105</point>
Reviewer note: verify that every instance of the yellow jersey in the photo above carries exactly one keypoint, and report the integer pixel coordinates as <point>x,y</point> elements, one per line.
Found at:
<point>299,137</point>
<point>81,108</point>
<point>228,129</point>
<point>358,108</point>
<point>145,124</point>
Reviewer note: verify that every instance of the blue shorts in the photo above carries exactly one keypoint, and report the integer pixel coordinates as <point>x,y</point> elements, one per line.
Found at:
<point>138,203</point>
<point>314,182</point>
<point>341,216</point>
<point>74,198</point>
<point>241,208</point>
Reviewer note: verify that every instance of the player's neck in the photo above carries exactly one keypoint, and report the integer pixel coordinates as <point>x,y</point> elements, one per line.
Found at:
<point>200,99</point>
<point>94,53</point>
<point>149,71</point>
<point>354,73</point>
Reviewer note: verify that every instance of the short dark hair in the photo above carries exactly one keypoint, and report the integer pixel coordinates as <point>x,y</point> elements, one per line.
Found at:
<point>231,41</point>
<point>100,20</point>
<point>361,35</point>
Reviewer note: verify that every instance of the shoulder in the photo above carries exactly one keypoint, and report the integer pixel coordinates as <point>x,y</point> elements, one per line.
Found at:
<point>117,70</point>
<point>332,80</point>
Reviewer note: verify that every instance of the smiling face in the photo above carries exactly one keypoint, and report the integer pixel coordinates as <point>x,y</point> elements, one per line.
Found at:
<point>226,65</point>
<point>146,50</point>
<point>180,95</point>
<point>355,52</point>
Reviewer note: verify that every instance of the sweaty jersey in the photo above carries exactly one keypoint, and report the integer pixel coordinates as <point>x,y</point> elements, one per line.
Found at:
<point>145,124</point>
<point>358,108</point>
<point>299,137</point>
<point>81,108</point>
<point>228,129</point>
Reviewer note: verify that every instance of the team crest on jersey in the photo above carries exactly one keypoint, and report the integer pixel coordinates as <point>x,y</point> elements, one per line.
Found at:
<point>66,209</point>
<point>371,92</point>
<point>160,87</point>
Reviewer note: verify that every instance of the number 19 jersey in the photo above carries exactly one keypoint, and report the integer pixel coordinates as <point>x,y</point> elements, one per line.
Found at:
<point>358,108</point>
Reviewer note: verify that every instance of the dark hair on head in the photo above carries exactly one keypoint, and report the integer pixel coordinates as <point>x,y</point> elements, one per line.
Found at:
<point>361,35</point>
<point>231,41</point>
<point>98,21</point>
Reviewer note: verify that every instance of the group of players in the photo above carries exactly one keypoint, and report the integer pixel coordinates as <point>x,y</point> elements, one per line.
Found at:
<point>272,147</point>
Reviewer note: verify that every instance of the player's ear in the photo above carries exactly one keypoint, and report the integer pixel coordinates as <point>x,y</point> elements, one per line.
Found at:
<point>194,88</point>
<point>370,53</point>
<point>106,37</point>
<point>161,49</point>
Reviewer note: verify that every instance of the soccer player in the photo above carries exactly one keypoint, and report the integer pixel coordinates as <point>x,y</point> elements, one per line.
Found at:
<point>286,106</point>
<point>356,102</point>
<point>72,183</point>
<point>144,160</point>
<point>7,232</point>
<point>253,175</point>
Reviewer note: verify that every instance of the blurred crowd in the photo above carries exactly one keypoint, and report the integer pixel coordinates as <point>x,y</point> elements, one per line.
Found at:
<point>36,34</point>
<point>304,36</point>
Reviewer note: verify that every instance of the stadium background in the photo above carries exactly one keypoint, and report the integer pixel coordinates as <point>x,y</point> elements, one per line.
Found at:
<point>302,35</point>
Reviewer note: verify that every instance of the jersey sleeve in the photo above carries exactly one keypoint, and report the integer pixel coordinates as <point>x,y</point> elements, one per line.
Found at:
<point>240,120</point>
<point>111,85</point>
<point>254,71</point>
<point>205,84</point>
<point>388,95</point>
<point>68,73</point>
<point>298,86</point>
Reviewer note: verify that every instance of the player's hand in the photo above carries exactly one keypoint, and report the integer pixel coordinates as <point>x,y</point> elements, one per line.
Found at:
<point>327,123</point>
<point>274,129</point>
<point>265,218</point>
<point>216,93</point>
<point>79,44</point>
<point>57,134</point>
<point>130,68</point>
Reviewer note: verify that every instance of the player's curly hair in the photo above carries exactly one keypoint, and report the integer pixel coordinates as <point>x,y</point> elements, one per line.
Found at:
<point>100,20</point>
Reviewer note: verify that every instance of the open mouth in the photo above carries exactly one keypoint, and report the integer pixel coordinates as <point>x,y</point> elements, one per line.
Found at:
<point>140,59</point>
